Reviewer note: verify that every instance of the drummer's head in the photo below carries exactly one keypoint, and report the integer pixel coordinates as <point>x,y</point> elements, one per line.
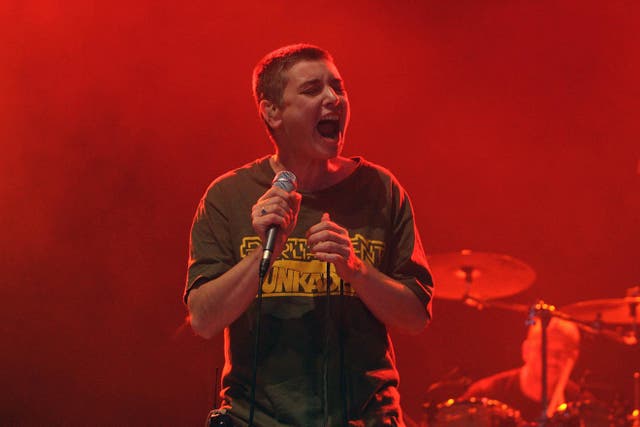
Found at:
<point>563,342</point>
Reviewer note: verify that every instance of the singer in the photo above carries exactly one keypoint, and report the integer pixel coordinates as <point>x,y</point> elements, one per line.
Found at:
<point>347,263</point>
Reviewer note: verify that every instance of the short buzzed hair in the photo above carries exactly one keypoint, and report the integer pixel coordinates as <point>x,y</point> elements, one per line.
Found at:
<point>269,79</point>
<point>559,330</point>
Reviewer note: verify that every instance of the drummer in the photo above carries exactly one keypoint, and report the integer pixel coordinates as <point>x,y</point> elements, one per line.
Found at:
<point>521,388</point>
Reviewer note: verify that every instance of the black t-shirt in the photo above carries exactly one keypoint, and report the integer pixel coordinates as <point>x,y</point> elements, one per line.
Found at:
<point>302,326</point>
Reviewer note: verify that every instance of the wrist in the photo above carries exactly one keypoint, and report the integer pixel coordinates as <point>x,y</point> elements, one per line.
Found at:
<point>358,270</point>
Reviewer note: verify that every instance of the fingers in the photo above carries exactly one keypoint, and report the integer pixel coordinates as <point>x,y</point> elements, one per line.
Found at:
<point>325,224</point>
<point>272,208</point>
<point>338,252</point>
<point>276,201</point>
<point>328,241</point>
<point>331,251</point>
<point>275,207</point>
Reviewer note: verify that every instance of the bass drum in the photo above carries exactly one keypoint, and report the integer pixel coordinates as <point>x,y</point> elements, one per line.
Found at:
<point>473,413</point>
<point>586,413</point>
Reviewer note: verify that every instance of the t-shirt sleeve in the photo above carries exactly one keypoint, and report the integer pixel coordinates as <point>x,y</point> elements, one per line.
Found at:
<point>408,261</point>
<point>210,252</point>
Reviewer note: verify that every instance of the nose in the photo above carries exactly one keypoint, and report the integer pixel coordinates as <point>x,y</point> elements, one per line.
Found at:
<point>331,96</point>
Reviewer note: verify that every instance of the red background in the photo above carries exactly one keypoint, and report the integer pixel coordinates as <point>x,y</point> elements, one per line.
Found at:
<point>512,124</point>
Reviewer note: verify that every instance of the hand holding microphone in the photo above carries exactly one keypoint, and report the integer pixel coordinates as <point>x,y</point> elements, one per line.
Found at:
<point>275,215</point>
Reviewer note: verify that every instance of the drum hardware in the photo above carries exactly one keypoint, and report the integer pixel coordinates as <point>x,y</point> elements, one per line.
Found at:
<point>453,383</point>
<point>592,316</point>
<point>474,412</point>
<point>634,417</point>
<point>481,304</point>
<point>619,311</point>
<point>584,413</point>
<point>544,312</point>
<point>478,278</point>
<point>480,275</point>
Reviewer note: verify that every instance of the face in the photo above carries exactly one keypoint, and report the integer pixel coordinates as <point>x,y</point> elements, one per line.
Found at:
<point>311,122</point>
<point>558,351</point>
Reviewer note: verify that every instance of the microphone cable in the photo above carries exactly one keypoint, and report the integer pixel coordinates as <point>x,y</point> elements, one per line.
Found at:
<point>343,382</point>
<point>256,346</point>
<point>340,331</point>
<point>327,343</point>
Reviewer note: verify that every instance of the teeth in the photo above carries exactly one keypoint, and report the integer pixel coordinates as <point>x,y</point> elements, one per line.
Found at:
<point>331,117</point>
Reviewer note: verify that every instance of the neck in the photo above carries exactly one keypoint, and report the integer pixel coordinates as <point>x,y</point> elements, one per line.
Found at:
<point>314,175</point>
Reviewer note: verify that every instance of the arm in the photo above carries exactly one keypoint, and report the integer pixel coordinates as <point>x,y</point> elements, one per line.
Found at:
<point>477,389</point>
<point>389,300</point>
<point>216,303</point>
<point>393,303</point>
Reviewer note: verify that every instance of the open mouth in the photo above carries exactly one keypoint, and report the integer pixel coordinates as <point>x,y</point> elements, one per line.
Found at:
<point>329,128</point>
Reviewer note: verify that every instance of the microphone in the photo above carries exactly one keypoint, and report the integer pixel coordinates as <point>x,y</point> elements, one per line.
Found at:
<point>287,181</point>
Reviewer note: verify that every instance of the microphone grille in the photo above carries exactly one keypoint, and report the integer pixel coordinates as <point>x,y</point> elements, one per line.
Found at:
<point>285,180</point>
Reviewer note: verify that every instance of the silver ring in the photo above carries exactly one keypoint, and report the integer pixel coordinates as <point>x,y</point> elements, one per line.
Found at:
<point>263,212</point>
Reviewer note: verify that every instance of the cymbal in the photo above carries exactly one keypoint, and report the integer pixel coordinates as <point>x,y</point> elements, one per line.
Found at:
<point>481,275</point>
<point>608,310</point>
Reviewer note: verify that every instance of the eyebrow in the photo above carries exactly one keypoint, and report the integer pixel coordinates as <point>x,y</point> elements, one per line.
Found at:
<point>312,82</point>
<point>308,83</point>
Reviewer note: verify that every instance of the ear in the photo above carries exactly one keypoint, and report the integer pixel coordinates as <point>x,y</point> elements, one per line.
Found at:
<point>271,114</point>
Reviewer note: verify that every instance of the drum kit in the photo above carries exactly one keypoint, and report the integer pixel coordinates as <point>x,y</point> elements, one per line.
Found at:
<point>480,279</point>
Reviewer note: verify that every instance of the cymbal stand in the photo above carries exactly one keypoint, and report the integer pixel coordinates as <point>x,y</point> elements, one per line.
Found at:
<point>597,328</point>
<point>480,304</point>
<point>635,414</point>
<point>544,313</point>
<point>633,311</point>
<point>468,277</point>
